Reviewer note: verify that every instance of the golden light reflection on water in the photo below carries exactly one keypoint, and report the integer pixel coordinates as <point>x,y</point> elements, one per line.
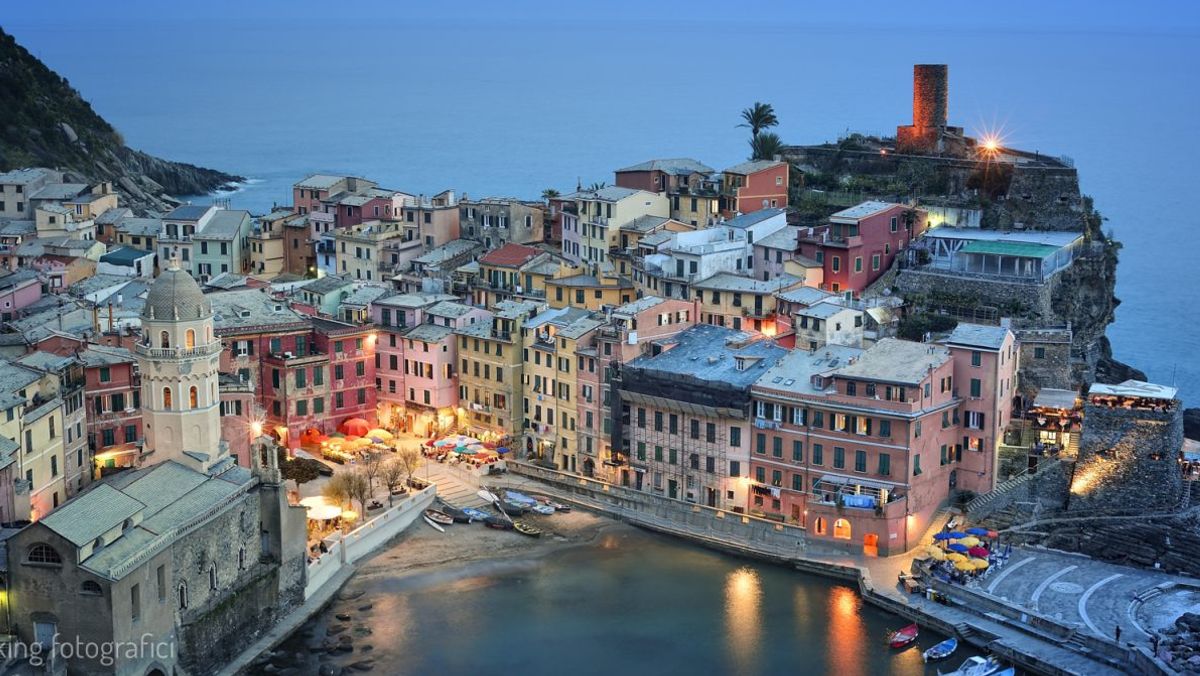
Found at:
<point>847,633</point>
<point>743,606</point>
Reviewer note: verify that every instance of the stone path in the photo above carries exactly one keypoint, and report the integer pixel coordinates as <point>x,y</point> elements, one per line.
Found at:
<point>1095,596</point>
<point>453,485</point>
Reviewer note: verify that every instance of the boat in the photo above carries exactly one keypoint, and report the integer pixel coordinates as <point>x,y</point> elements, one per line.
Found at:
<point>902,636</point>
<point>438,516</point>
<point>488,496</point>
<point>941,651</point>
<point>512,508</point>
<point>542,509</point>
<point>519,498</point>
<point>433,524</point>
<point>525,529</point>
<point>499,523</point>
<point>458,515</point>
<point>475,514</point>
<point>546,500</point>
<point>975,666</point>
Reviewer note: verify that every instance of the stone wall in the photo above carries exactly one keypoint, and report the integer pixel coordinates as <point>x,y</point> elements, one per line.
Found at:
<point>1053,367</point>
<point>1039,198</point>
<point>1032,300</point>
<point>1127,460</point>
<point>1047,488</point>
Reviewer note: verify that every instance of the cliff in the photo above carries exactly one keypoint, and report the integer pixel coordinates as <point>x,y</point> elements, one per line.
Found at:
<point>46,122</point>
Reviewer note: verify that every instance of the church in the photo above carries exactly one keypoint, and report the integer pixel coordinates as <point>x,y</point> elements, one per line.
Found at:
<point>179,565</point>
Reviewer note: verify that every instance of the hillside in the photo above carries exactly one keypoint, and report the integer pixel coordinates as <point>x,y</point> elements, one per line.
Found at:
<point>47,123</point>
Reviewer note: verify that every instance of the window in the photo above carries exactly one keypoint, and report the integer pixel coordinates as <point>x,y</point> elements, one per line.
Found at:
<point>942,459</point>
<point>875,262</point>
<point>641,450</point>
<point>90,588</point>
<point>917,464</point>
<point>735,437</point>
<point>710,432</point>
<point>43,554</point>
<point>105,374</point>
<point>164,339</point>
<point>1039,353</point>
<point>777,447</point>
<point>797,451</point>
<point>658,421</point>
<point>885,428</point>
<point>183,596</point>
<point>885,464</point>
<point>760,475</point>
<point>976,358</point>
<point>839,457</point>
<point>976,388</point>
<point>135,602</point>
<point>858,263</point>
<point>860,461</point>
<point>194,397</point>
<point>760,443</point>
<point>735,468</point>
<point>837,264</point>
<point>166,396</point>
<point>212,577</point>
<point>818,454</point>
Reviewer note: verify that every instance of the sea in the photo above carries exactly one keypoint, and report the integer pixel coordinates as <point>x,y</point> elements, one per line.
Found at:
<point>507,99</point>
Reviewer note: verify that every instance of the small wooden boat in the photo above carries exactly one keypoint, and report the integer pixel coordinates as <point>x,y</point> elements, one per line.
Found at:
<point>497,522</point>
<point>526,529</point>
<point>488,496</point>
<point>546,500</point>
<point>458,515</point>
<point>439,517</point>
<point>542,509</point>
<point>433,524</point>
<point>975,666</point>
<point>519,498</point>
<point>903,636</point>
<point>475,514</point>
<point>941,651</point>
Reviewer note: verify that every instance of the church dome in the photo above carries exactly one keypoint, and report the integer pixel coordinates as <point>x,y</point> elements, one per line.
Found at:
<point>175,295</point>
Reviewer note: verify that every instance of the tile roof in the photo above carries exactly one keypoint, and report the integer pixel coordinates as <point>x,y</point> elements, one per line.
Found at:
<point>783,238</point>
<point>823,310</point>
<point>794,372</point>
<point>124,255</point>
<point>140,227</point>
<point>639,305</point>
<point>319,181</point>
<point>414,300</point>
<point>863,210</point>
<point>448,308</point>
<point>711,353</point>
<point>447,251</point>
<point>897,361</point>
<point>225,224</point>
<point>187,212</point>
<point>112,215</point>
<point>511,255</point>
<point>24,175</point>
<point>752,218</point>
<point>15,228</point>
<point>645,223</point>
<point>327,284</point>
<point>611,193</point>
<point>104,355</point>
<point>365,295</point>
<point>977,335</point>
<point>429,333</point>
<point>251,309</point>
<point>728,281</point>
<point>81,520</point>
<point>753,166</point>
<point>59,191</point>
<point>805,295</point>
<point>674,166</point>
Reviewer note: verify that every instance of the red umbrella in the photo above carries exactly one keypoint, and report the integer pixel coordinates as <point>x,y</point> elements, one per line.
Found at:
<point>978,552</point>
<point>356,426</point>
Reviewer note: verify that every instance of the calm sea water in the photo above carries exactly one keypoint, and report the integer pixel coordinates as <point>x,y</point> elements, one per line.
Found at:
<point>633,604</point>
<point>517,97</point>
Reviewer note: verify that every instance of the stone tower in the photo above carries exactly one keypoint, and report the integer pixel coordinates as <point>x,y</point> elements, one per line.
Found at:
<point>178,356</point>
<point>930,132</point>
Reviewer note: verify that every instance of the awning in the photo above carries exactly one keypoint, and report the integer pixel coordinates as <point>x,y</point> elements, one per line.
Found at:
<point>1049,397</point>
<point>834,480</point>
<point>1017,249</point>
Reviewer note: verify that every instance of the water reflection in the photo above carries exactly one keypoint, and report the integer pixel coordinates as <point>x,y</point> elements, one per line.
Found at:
<point>743,596</point>
<point>847,632</point>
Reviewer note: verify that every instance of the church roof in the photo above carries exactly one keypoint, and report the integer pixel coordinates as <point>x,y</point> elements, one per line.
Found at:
<point>175,295</point>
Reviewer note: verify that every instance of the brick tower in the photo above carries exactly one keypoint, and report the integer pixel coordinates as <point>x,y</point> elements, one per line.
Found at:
<point>929,132</point>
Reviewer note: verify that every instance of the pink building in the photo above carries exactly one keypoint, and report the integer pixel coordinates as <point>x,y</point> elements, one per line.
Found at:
<point>112,397</point>
<point>859,244</point>
<point>415,373</point>
<point>986,360</point>
<point>18,290</point>
<point>754,185</point>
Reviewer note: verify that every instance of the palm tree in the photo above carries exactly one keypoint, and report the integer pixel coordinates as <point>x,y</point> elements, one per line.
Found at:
<point>596,186</point>
<point>758,117</point>
<point>549,194</point>
<point>765,146</point>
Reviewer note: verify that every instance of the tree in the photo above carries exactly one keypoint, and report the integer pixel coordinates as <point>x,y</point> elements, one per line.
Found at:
<point>409,458</point>
<point>358,488</point>
<point>549,194</point>
<point>758,117</point>
<point>371,465</point>
<point>392,475</point>
<point>598,185</point>
<point>765,146</point>
<point>300,470</point>
<point>337,489</point>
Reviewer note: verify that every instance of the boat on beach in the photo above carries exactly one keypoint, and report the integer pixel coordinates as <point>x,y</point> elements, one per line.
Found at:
<point>512,508</point>
<point>519,498</point>
<point>903,636</point>
<point>475,514</point>
<point>439,517</point>
<point>458,515</point>
<point>941,651</point>
<point>526,529</point>
<point>542,509</point>
<point>976,666</point>
<point>433,524</point>
<point>498,523</point>
<point>547,500</point>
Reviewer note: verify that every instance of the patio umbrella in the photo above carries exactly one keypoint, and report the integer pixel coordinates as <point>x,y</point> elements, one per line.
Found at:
<point>970,541</point>
<point>979,564</point>
<point>324,512</point>
<point>960,548</point>
<point>942,536</point>
<point>921,555</point>
<point>502,450</point>
<point>955,535</point>
<point>349,516</point>
<point>978,552</point>
<point>978,531</point>
<point>356,426</point>
<point>464,450</point>
<point>993,534</point>
<point>964,565</point>
<point>936,553</point>
<point>314,501</point>
<point>955,557</point>
<point>381,434</point>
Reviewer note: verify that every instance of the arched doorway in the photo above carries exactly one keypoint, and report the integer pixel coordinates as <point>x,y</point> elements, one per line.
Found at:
<point>589,467</point>
<point>841,529</point>
<point>819,525</point>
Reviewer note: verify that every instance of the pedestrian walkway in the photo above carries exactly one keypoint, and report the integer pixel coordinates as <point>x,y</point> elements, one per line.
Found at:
<point>454,485</point>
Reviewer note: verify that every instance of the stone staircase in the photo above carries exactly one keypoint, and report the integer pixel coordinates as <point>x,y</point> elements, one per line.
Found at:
<point>985,505</point>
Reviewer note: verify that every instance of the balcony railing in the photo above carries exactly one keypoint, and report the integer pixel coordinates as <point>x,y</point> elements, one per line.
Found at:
<point>178,352</point>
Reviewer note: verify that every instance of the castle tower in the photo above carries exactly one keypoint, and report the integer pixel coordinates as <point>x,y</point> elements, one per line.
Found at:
<point>930,95</point>
<point>178,356</point>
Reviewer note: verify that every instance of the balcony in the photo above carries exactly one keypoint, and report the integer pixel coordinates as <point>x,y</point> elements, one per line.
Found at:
<point>177,352</point>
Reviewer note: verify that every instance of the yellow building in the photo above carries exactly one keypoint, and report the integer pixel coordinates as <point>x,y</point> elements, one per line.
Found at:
<point>699,206</point>
<point>490,370</point>
<point>360,249</point>
<point>516,272</point>
<point>40,467</point>
<point>550,342</point>
<point>590,292</point>
<point>267,255</point>
<point>94,201</point>
<point>603,212</point>
<point>741,303</point>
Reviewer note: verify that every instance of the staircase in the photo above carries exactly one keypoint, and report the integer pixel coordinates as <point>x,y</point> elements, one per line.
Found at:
<point>985,505</point>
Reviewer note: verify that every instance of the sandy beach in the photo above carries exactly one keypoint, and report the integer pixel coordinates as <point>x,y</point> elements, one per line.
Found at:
<point>337,640</point>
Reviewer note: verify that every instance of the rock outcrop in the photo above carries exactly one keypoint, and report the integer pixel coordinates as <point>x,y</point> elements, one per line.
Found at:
<point>46,123</point>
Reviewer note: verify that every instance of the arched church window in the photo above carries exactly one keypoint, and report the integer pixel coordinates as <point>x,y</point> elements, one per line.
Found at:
<point>164,339</point>
<point>194,397</point>
<point>167,398</point>
<point>190,339</point>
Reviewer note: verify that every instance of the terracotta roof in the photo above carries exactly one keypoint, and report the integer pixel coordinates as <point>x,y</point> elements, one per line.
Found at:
<point>510,255</point>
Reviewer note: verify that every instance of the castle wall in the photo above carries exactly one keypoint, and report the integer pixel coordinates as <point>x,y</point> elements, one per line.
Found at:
<point>1127,459</point>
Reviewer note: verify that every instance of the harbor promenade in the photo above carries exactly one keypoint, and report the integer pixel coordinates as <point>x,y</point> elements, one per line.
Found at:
<point>1020,612</point>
